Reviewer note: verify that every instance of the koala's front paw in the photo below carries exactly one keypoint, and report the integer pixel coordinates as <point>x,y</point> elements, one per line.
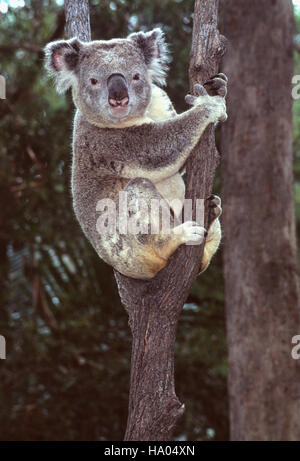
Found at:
<point>216,105</point>
<point>200,93</point>
<point>217,85</point>
<point>215,209</point>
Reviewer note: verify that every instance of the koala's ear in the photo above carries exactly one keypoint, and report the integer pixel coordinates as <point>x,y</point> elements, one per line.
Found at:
<point>155,52</point>
<point>61,60</point>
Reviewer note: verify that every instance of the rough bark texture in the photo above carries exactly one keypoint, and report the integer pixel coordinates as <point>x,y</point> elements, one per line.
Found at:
<point>260,262</point>
<point>154,307</point>
<point>78,19</point>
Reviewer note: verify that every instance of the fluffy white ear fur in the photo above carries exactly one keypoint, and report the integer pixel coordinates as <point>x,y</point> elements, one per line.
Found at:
<point>61,59</point>
<point>155,52</point>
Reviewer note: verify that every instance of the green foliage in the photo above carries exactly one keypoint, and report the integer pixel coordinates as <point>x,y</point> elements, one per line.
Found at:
<point>66,376</point>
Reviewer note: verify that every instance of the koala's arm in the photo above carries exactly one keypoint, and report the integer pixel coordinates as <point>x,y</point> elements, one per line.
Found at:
<point>155,150</point>
<point>159,150</point>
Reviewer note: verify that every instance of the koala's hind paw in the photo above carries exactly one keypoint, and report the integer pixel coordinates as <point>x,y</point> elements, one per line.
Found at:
<point>215,209</point>
<point>217,85</point>
<point>190,232</point>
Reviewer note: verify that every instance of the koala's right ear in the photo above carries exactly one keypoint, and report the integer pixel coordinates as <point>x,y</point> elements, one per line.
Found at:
<point>155,52</point>
<point>61,61</point>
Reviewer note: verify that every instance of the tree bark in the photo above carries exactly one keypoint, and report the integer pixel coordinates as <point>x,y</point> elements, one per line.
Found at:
<point>260,254</point>
<point>154,307</point>
<point>78,19</point>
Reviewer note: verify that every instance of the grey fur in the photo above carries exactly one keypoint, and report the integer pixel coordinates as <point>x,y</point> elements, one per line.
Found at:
<point>140,149</point>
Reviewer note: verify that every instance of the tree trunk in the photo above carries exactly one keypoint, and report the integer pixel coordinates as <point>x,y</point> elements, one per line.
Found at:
<point>78,19</point>
<point>154,307</point>
<point>260,255</point>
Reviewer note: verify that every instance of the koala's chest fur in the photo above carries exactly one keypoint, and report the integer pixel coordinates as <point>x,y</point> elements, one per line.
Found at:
<point>173,190</point>
<point>101,158</point>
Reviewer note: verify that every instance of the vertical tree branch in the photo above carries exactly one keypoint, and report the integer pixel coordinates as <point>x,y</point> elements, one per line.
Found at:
<point>78,19</point>
<point>154,307</point>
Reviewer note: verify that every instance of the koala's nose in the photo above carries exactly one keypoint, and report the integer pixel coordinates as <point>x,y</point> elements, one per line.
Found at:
<point>117,90</point>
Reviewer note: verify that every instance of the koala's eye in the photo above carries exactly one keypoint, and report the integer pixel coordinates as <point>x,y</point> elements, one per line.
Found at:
<point>94,81</point>
<point>136,77</point>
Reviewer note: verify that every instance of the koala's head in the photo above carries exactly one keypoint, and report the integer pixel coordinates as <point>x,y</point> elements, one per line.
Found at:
<point>111,80</point>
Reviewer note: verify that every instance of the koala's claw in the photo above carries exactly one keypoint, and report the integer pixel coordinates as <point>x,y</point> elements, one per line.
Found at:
<point>217,85</point>
<point>215,209</point>
<point>220,75</point>
<point>214,201</point>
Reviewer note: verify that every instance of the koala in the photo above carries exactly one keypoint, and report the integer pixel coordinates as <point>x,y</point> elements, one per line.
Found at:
<point>128,138</point>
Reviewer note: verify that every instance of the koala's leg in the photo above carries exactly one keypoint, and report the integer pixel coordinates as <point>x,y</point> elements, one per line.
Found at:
<point>150,249</point>
<point>213,238</point>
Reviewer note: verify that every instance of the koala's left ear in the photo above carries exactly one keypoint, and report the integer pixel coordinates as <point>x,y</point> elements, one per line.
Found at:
<point>155,52</point>
<point>61,60</point>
